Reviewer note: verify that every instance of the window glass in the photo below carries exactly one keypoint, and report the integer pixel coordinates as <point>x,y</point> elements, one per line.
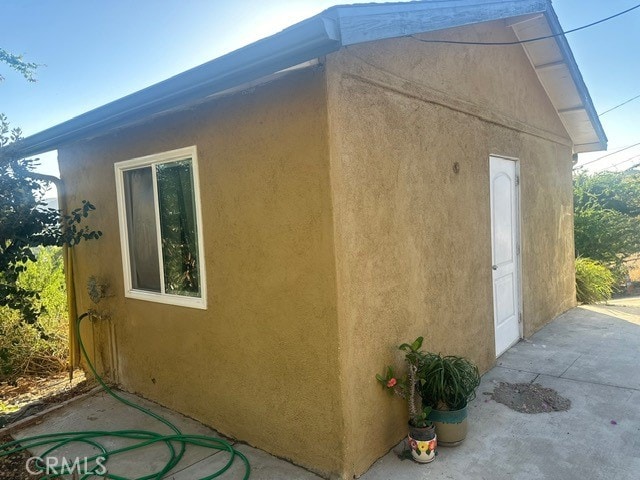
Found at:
<point>178,227</point>
<point>142,229</point>
<point>159,210</point>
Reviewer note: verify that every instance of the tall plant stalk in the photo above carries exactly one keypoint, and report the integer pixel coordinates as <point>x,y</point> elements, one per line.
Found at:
<point>412,390</point>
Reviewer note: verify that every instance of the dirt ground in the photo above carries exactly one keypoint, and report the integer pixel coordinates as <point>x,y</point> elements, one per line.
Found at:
<point>27,396</point>
<point>13,467</point>
<point>30,395</point>
<point>529,398</point>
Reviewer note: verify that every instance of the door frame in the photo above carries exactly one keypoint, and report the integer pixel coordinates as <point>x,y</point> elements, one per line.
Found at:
<point>518,233</point>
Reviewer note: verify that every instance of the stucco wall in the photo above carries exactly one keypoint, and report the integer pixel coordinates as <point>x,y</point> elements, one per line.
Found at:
<point>260,364</point>
<point>412,236</point>
<point>331,238</point>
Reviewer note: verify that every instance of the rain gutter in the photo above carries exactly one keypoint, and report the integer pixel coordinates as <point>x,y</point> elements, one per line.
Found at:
<point>315,37</point>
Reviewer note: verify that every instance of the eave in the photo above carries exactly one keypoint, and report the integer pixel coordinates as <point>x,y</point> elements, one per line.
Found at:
<point>559,75</point>
<point>328,32</point>
<point>300,43</point>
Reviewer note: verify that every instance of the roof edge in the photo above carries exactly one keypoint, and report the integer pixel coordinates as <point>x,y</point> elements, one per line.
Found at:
<point>314,37</point>
<point>583,91</point>
<point>366,22</point>
<point>311,38</point>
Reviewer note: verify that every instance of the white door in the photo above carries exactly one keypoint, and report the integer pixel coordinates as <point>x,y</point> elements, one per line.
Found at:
<point>505,251</point>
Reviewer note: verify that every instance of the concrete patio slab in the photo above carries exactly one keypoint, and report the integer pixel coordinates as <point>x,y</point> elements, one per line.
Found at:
<point>263,466</point>
<point>101,412</point>
<point>529,356</point>
<point>590,355</point>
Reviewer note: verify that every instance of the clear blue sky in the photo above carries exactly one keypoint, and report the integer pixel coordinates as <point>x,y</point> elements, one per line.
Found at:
<point>96,51</point>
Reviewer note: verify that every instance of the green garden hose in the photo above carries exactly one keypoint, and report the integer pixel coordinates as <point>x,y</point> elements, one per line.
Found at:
<point>96,465</point>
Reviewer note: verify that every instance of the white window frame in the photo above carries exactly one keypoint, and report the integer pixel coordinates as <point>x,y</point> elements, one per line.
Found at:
<point>150,160</point>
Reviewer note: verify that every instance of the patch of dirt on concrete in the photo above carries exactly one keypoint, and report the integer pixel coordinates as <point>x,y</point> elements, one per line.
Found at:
<point>529,398</point>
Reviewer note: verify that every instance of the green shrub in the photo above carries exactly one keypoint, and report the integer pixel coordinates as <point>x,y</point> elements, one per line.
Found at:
<point>594,281</point>
<point>26,350</point>
<point>40,348</point>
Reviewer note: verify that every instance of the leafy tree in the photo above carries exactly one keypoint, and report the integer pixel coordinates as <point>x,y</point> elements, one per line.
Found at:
<point>25,224</point>
<point>25,221</point>
<point>17,63</point>
<point>607,215</point>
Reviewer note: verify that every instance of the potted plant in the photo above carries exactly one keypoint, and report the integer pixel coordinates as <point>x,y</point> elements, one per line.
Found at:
<point>447,384</point>
<point>421,440</point>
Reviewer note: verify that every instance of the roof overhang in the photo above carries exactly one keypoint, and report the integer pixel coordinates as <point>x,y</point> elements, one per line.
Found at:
<point>329,31</point>
<point>559,75</point>
<point>296,45</point>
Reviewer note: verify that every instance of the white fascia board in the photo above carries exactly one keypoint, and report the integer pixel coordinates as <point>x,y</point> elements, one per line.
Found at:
<point>560,77</point>
<point>370,22</point>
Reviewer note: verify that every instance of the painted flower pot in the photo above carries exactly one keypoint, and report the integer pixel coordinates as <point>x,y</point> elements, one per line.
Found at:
<point>451,426</point>
<point>422,443</point>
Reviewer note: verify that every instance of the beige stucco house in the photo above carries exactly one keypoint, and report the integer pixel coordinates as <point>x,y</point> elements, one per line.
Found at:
<point>277,220</point>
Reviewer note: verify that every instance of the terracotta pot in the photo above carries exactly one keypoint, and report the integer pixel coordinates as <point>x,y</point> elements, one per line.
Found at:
<point>451,426</point>
<point>422,443</point>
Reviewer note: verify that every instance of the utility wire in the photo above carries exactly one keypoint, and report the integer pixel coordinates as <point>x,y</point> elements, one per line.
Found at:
<point>615,165</point>
<point>632,167</point>
<point>605,156</point>
<point>619,105</point>
<point>619,163</point>
<point>519,42</point>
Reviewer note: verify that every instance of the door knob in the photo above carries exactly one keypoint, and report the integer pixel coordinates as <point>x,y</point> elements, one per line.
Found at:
<point>495,267</point>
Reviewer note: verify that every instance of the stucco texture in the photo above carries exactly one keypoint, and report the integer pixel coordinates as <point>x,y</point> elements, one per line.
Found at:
<point>346,210</point>
<point>260,364</point>
<point>412,127</point>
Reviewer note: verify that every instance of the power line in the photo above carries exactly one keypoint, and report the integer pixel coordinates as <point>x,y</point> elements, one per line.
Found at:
<point>605,156</point>
<point>519,42</point>
<point>624,161</point>
<point>632,167</point>
<point>619,105</point>
<point>619,163</point>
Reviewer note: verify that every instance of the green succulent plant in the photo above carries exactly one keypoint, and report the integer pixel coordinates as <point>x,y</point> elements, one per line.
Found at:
<point>433,381</point>
<point>407,386</point>
<point>447,382</point>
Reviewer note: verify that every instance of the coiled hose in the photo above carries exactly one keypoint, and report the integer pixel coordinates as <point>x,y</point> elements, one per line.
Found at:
<point>175,442</point>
